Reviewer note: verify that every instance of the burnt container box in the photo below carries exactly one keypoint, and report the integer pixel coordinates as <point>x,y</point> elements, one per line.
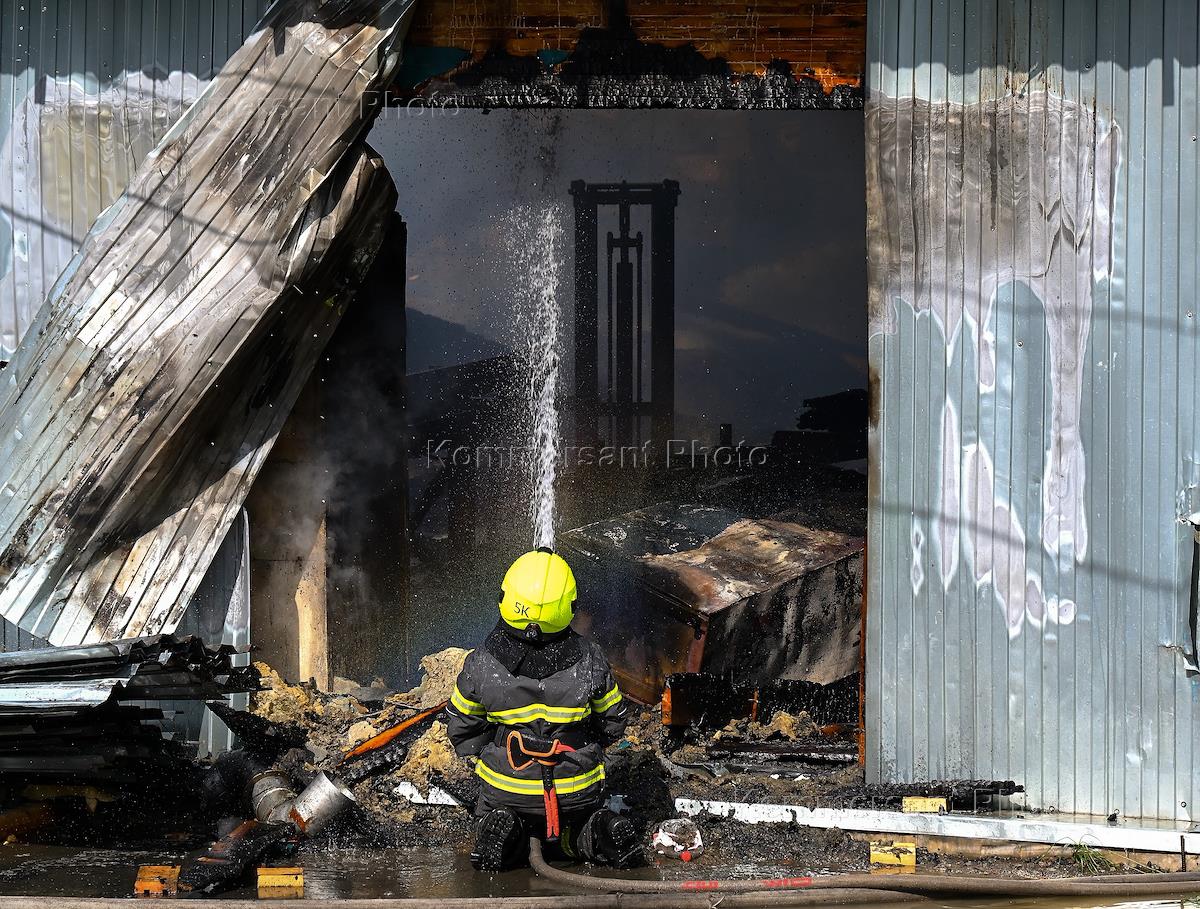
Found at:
<point>686,588</point>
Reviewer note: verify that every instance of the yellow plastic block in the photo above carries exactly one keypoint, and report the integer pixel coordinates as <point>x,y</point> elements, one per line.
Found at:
<point>280,883</point>
<point>893,853</point>
<point>919,804</point>
<point>157,880</point>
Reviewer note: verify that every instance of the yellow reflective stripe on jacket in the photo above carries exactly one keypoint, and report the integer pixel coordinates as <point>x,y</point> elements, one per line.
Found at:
<point>611,699</point>
<point>530,712</point>
<point>465,705</point>
<point>563,786</point>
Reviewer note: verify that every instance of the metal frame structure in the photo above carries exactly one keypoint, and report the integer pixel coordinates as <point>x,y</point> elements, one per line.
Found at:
<point>623,405</point>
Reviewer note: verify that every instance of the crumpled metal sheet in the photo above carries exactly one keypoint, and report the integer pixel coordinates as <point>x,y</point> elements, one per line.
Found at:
<point>145,397</point>
<point>57,695</point>
<point>70,679</point>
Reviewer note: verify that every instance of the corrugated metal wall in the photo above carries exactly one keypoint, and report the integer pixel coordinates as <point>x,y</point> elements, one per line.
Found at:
<point>218,614</point>
<point>87,88</point>
<point>1033,210</point>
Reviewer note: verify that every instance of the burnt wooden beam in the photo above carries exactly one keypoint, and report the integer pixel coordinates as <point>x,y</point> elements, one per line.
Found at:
<point>145,397</point>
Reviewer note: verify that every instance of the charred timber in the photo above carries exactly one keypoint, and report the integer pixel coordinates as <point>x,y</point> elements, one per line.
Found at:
<point>610,68</point>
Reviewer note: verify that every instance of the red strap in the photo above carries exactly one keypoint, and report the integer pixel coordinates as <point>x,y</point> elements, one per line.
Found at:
<point>550,801</point>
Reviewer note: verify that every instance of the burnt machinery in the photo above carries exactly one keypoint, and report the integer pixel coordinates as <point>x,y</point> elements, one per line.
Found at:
<point>619,414</point>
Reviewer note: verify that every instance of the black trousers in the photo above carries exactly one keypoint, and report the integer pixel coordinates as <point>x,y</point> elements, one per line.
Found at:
<point>533,823</point>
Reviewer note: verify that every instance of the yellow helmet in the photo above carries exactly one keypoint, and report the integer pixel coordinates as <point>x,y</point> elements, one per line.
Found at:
<point>538,589</point>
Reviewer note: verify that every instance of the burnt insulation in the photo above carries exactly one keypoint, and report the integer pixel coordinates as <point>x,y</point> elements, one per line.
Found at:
<point>613,68</point>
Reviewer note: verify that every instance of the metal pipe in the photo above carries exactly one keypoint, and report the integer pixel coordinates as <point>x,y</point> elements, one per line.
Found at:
<point>275,802</point>
<point>321,801</point>
<point>637,340</point>
<point>586,314</point>
<point>271,796</point>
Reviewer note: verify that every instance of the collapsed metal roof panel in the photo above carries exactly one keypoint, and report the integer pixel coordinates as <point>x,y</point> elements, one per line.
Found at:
<point>78,712</point>
<point>61,695</point>
<point>74,678</point>
<point>153,382</point>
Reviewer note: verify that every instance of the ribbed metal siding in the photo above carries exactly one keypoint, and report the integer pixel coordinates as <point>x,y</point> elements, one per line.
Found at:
<point>87,88</point>
<point>1091,706</point>
<point>218,614</point>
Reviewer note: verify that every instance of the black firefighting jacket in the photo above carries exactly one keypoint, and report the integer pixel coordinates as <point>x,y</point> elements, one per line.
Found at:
<point>559,688</point>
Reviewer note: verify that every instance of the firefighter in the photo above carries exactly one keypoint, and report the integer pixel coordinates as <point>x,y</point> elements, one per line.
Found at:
<point>537,705</point>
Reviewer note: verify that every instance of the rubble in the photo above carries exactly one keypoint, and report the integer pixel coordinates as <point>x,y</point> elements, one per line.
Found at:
<point>645,727</point>
<point>375,692</point>
<point>678,838</point>
<point>359,733</point>
<point>709,702</point>
<point>335,723</point>
<point>328,720</point>
<point>280,702</point>
<point>431,754</point>
<point>782,725</point>
<point>438,672</point>
<point>400,784</point>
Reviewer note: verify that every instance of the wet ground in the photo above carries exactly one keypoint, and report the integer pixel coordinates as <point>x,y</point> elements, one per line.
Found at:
<point>346,873</point>
<point>332,873</point>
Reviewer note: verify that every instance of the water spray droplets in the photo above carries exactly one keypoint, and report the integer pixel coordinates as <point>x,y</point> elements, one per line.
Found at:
<point>537,241</point>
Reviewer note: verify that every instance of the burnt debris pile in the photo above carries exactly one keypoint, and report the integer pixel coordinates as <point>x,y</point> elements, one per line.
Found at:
<point>388,748</point>
<point>89,753</point>
<point>331,767</point>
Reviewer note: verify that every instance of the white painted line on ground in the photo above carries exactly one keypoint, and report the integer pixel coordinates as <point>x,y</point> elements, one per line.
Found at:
<point>1022,830</point>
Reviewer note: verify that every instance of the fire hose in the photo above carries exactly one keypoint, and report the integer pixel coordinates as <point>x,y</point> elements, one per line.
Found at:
<point>799,890</point>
